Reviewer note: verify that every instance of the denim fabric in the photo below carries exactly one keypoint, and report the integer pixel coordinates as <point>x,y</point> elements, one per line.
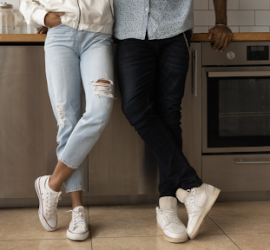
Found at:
<point>73,56</point>
<point>152,75</point>
<point>159,18</point>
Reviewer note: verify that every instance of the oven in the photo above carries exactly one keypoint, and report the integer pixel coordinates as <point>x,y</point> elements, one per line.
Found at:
<point>236,98</point>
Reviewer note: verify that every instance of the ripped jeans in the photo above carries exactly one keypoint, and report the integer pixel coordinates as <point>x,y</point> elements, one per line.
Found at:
<point>74,56</point>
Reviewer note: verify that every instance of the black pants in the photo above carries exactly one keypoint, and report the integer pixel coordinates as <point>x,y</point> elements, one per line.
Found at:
<point>152,75</point>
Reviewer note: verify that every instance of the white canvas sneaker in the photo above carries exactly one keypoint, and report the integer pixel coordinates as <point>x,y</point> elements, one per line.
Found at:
<point>198,202</point>
<point>78,229</point>
<point>168,220</point>
<point>48,200</point>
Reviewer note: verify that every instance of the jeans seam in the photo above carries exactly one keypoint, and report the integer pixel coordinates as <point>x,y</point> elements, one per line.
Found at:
<point>185,37</point>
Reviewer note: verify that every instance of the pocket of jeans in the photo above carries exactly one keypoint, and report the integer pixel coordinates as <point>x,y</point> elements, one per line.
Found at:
<point>58,33</point>
<point>57,26</point>
<point>187,36</point>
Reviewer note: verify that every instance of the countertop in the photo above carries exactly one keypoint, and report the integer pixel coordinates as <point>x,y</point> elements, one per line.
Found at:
<point>28,38</point>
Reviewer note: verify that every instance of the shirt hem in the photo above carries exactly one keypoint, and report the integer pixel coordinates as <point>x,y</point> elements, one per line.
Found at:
<point>152,37</point>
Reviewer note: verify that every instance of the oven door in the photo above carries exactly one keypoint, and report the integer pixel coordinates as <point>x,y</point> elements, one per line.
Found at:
<point>236,109</point>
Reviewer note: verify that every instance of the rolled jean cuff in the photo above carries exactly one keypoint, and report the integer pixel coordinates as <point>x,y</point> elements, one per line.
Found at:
<point>68,164</point>
<point>168,194</point>
<point>75,189</point>
<point>195,184</point>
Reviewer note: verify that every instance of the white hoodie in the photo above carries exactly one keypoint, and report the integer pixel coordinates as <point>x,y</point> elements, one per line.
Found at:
<point>89,15</point>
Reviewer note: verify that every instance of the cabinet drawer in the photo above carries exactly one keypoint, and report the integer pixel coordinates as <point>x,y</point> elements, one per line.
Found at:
<point>233,173</point>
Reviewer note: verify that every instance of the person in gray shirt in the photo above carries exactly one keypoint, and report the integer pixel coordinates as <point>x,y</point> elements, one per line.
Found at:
<point>152,64</point>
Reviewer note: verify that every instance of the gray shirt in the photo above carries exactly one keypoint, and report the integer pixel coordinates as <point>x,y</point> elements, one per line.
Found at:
<point>159,18</point>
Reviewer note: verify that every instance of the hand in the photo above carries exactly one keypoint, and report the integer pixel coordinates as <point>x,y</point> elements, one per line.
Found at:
<point>52,19</point>
<point>224,37</point>
<point>42,30</point>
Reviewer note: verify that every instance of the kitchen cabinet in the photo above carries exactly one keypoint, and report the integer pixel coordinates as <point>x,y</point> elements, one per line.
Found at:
<point>237,173</point>
<point>191,111</point>
<point>120,165</point>
<point>27,125</point>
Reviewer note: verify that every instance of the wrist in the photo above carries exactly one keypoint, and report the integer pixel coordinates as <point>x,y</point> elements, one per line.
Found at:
<point>45,23</point>
<point>221,25</point>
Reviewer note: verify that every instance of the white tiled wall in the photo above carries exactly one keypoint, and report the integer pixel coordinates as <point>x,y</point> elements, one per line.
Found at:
<point>243,15</point>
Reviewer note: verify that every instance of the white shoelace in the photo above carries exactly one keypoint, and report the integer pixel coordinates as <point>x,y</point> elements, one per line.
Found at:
<point>51,204</point>
<point>78,219</point>
<point>170,216</point>
<point>190,200</point>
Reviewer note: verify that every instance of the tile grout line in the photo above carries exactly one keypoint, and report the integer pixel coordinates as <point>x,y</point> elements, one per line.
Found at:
<point>135,236</point>
<point>35,239</point>
<point>90,232</point>
<point>224,232</point>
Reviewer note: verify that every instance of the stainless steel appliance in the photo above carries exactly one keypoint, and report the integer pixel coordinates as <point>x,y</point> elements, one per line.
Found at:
<point>236,98</point>
<point>235,116</point>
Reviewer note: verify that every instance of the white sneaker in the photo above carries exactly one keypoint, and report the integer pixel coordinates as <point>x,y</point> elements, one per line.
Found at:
<point>48,200</point>
<point>78,229</point>
<point>198,202</point>
<point>168,220</point>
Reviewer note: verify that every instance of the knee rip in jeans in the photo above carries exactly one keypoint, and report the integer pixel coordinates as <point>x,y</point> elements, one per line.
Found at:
<point>103,87</point>
<point>61,113</point>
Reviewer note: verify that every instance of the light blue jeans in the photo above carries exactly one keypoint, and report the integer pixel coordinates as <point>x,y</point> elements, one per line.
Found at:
<point>72,57</point>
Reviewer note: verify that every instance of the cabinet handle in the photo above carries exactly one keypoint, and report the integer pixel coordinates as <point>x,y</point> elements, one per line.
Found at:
<point>253,162</point>
<point>195,72</point>
<point>239,74</point>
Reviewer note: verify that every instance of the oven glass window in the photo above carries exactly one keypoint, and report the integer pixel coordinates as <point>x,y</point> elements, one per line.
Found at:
<point>238,112</point>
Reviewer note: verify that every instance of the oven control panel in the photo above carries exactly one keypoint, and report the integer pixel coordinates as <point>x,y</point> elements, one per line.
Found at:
<point>237,53</point>
<point>257,53</point>
<point>230,55</point>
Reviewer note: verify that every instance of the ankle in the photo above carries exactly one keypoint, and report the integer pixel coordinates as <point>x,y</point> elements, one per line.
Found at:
<point>77,204</point>
<point>55,186</point>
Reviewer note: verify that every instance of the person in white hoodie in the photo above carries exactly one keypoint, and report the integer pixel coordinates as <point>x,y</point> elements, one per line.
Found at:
<point>78,48</point>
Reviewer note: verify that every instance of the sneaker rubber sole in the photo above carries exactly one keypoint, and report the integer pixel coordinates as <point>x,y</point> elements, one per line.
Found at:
<point>206,210</point>
<point>173,240</point>
<point>77,237</point>
<point>43,221</point>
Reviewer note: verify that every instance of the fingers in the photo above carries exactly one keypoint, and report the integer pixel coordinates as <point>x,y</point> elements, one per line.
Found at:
<point>210,34</point>
<point>60,13</point>
<point>39,31</point>
<point>223,37</point>
<point>225,44</point>
<point>222,41</point>
<point>218,40</point>
<point>231,36</point>
<point>44,30</point>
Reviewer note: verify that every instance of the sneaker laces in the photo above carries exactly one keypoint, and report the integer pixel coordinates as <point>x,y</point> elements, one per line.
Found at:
<point>51,205</point>
<point>190,200</point>
<point>78,218</point>
<point>171,216</point>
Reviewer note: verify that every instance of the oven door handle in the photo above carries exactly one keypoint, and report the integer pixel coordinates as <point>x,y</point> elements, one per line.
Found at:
<point>253,162</point>
<point>239,74</point>
<point>195,72</point>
